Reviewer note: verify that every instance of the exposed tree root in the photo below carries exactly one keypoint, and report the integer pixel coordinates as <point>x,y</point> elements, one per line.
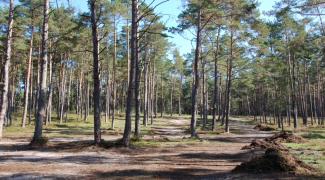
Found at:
<point>39,143</point>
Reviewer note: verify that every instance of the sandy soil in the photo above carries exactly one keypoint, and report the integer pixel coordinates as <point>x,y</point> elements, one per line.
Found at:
<point>212,158</point>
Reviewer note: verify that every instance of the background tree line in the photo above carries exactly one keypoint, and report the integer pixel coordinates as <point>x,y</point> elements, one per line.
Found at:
<point>117,58</point>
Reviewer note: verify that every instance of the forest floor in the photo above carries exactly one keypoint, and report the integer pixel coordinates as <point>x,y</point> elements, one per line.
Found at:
<point>165,152</point>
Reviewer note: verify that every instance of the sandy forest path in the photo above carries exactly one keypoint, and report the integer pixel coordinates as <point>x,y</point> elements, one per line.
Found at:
<point>211,157</point>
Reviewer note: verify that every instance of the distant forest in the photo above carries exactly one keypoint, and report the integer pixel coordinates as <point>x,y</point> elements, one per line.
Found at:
<point>117,60</point>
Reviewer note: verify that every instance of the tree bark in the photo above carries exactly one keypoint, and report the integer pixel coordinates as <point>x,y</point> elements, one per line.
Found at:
<point>145,89</point>
<point>204,96</point>
<point>180,96</point>
<point>152,92</point>
<point>215,87</point>
<point>31,94</point>
<point>134,52</point>
<point>63,93</point>
<point>294,94</point>
<point>128,48</point>
<point>68,96</point>
<point>49,105</point>
<point>42,104</point>
<point>162,96</point>
<point>196,80</point>
<point>114,74</point>
<point>171,96</point>
<point>28,73</point>
<point>137,88</point>
<point>96,91</point>
<point>229,83</point>
<point>6,66</point>
<point>108,98</point>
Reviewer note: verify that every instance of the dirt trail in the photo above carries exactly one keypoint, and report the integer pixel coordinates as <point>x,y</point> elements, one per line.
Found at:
<point>211,158</point>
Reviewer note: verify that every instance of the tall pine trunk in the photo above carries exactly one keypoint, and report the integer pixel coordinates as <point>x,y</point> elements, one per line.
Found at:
<point>63,93</point>
<point>161,96</point>
<point>137,98</point>
<point>180,96</point>
<point>28,74</point>
<point>171,97</point>
<point>4,86</point>
<point>196,80</point>
<point>134,39</point>
<point>137,87</point>
<point>204,95</point>
<point>229,83</point>
<point>68,96</point>
<point>114,75</point>
<point>145,88</point>
<point>49,105</point>
<point>215,87</point>
<point>96,91</point>
<point>41,110</point>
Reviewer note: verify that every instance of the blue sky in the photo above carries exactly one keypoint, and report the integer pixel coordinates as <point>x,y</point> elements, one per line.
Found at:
<point>169,12</point>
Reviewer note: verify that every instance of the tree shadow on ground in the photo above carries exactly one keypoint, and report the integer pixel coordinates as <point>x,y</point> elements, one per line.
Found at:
<point>193,173</point>
<point>238,157</point>
<point>229,139</point>
<point>197,159</point>
<point>69,146</point>
<point>80,159</point>
<point>20,176</point>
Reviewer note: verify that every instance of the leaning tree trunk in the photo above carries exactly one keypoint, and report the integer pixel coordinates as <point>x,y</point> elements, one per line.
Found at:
<point>41,111</point>
<point>96,92</point>
<point>196,80</point>
<point>128,111</point>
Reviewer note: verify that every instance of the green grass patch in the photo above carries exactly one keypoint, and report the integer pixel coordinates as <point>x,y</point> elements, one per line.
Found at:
<point>313,151</point>
<point>313,136</point>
